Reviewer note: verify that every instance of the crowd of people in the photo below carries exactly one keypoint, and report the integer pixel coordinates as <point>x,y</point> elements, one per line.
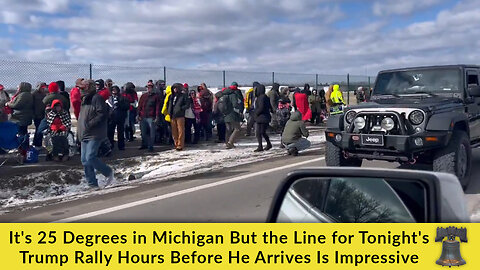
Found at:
<point>176,115</point>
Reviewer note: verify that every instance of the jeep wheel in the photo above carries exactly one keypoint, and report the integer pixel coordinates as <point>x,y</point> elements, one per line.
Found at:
<point>334,158</point>
<point>456,158</point>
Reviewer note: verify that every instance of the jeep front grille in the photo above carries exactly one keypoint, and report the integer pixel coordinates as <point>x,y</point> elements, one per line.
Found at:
<point>373,122</point>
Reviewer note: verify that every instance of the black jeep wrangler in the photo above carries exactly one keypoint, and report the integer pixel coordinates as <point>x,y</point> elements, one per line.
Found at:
<point>427,115</point>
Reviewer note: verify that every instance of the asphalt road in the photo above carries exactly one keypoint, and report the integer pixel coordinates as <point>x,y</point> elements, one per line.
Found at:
<point>238,194</point>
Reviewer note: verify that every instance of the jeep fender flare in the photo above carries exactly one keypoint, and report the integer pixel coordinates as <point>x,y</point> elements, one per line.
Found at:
<point>448,122</point>
<point>335,122</point>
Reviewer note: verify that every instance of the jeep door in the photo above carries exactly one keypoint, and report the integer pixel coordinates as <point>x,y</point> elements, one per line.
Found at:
<point>473,104</point>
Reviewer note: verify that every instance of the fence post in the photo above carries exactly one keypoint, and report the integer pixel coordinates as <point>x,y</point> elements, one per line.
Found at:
<point>316,82</point>
<point>348,89</point>
<point>273,78</point>
<point>91,72</point>
<point>165,74</point>
<point>224,83</point>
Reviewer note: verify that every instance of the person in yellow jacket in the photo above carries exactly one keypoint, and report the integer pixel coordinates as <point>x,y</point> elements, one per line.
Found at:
<point>249,107</point>
<point>336,98</point>
<point>168,93</point>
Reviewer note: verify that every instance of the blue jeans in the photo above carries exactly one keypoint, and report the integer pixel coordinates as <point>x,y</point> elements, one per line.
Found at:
<point>91,162</point>
<point>147,127</point>
<point>301,144</point>
<point>38,137</point>
<point>130,128</point>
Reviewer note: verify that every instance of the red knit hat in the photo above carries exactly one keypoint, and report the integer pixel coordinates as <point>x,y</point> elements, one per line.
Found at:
<point>1,87</point>
<point>185,86</point>
<point>53,87</point>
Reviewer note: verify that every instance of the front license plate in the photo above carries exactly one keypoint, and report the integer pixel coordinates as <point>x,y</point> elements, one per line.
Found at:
<point>373,140</point>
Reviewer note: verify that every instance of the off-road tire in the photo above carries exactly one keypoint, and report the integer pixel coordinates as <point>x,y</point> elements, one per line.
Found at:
<point>456,158</point>
<point>334,158</point>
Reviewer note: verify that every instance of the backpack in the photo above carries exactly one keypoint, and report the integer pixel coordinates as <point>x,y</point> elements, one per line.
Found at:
<point>225,105</point>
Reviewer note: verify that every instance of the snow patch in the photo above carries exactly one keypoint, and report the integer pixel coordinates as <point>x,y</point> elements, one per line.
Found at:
<point>69,184</point>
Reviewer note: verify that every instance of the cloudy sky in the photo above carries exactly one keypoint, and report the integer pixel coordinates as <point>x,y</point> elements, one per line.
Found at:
<point>319,36</point>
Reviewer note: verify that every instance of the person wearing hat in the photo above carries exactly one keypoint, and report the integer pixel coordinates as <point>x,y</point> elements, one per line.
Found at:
<point>238,92</point>
<point>38,111</point>
<point>92,132</point>
<point>102,90</point>
<point>177,104</point>
<point>149,109</point>
<point>59,124</point>
<point>54,93</point>
<point>63,92</point>
<point>119,107</point>
<point>131,95</point>
<point>109,84</point>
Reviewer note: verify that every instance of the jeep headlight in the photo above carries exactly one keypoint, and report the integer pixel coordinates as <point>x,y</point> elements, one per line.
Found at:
<point>350,116</point>
<point>416,117</point>
<point>388,123</point>
<point>359,122</point>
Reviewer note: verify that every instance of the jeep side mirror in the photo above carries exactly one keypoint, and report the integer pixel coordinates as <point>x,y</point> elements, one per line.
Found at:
<point>474,91</point>
<point>359,195</point>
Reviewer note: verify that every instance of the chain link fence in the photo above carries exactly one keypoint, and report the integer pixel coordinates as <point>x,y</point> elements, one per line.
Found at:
<point>13,72</point>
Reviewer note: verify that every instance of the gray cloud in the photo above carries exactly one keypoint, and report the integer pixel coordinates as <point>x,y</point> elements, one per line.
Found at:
<point>403,7</point>
<point>281,36</point>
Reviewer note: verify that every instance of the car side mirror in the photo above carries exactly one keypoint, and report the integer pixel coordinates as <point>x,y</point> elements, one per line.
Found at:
<point>359,195</point>
<point>474,91</point>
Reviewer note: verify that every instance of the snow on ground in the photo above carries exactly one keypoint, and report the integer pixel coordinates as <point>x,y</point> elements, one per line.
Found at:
<point>70,184</point>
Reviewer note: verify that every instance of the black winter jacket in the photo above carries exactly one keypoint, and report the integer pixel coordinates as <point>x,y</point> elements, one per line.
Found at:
<point>262,106</point>
<point>93,118</point>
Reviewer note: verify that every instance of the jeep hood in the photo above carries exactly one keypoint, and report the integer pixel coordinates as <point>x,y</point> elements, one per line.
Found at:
<point>424,103</point>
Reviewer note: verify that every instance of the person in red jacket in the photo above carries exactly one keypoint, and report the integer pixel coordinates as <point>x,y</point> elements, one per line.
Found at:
<point>75,96</point>
<point>149,110</point>
<point>102,90</point>
<point>300,103</point>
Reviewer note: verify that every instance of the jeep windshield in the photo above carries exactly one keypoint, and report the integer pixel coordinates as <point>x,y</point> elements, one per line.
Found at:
<point>430,82</point>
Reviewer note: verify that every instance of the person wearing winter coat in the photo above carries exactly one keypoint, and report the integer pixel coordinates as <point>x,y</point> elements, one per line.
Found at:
<point>63,92</point>
<point>219,119</point>
<point>162,135</point>
<point>75,97</point>
<point>119,107</point>
<point>192,119</point>
<point>131,95</point>
<point>292,136</point>
<point>206,115</point>
<point>249,108</point>
<point>306,89</point>
<point>4,97</point>
<point>103,91</point>
<point>38,111</point>
<point>92,132</point>
<point>300,103</point>
<point>178,103</point>
<point>316,106</point>
<point>21,105</point>
<point>59,124</point>
<point>231,105</point>
<point>283,113</point>
<point>262,112</point>
<point>274,96</point>
<point>54,93</point>
<point>149,109</point>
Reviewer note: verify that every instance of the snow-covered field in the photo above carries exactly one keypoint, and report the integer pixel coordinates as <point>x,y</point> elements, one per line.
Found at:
<point>69,184</point>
